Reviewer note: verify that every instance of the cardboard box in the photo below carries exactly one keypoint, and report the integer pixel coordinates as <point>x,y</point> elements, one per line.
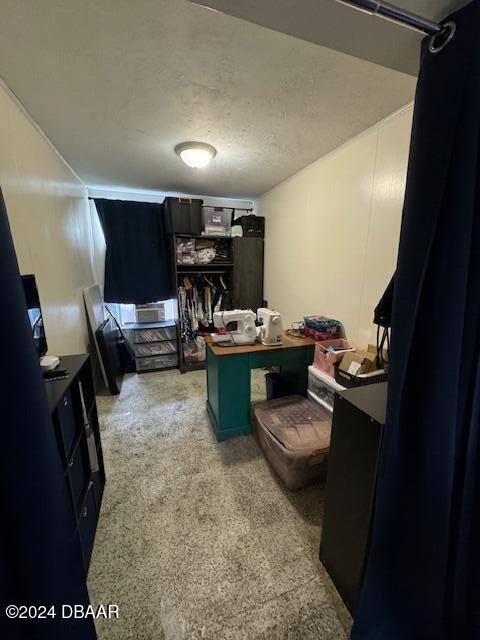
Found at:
<point>358,362</point>
<point>372,348</point>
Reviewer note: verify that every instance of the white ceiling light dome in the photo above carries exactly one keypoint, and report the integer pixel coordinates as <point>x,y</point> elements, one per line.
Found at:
<point>196,154</point>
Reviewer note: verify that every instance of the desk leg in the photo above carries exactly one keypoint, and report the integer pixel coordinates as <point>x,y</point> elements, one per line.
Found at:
<point>228,404</point>
<point>295,370</point>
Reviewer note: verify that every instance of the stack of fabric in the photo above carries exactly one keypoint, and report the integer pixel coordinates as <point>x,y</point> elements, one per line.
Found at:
<point>321,328</point>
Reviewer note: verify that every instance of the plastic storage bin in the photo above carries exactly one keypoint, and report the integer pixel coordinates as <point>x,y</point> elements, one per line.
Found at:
<point>323,324</point>
<point>153,335</point>
<point>321,328</point>
<point>322,388</point>
<point>155,348</point>
<point>325,360</point>
<point>319,336</point>
<point>185,251</point>
<point>153,363</point>
<point>217,221</point>
<point>183,215</point>
<point>294,434</point>
<point>194,351</point>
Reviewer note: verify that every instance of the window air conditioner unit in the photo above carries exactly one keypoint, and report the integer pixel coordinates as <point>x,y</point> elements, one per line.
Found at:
<point>153,312</point>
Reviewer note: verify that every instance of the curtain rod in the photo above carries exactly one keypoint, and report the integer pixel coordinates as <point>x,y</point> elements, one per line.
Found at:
<point>395,14</point>
<point>212,206</point>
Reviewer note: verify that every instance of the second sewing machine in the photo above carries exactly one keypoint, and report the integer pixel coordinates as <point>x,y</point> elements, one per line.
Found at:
<point>238,327</point>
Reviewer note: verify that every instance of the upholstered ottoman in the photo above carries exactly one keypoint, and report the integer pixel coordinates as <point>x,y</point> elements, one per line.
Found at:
<point>294,434</point>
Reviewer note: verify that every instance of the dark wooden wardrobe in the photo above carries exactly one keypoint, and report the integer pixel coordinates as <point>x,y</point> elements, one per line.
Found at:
<point>248,273</point>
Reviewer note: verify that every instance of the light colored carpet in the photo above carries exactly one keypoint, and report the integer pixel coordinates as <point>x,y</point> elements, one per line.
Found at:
<point>198,539</point>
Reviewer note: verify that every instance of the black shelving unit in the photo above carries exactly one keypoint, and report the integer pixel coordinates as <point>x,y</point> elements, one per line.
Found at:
<point>244,271</point>
<point>219,267</point>
<point>214,268</point>
<point>73,409</point>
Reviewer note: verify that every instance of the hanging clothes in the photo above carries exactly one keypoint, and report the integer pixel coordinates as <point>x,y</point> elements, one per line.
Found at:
<point>187,333</point>
<point>217,297</point>
<point>422,579</point>
<point>227,302</point>
<point>200,296</point>
<point>208,302</point>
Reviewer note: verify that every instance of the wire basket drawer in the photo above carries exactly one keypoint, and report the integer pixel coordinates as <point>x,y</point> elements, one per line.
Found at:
<point>349,380</point>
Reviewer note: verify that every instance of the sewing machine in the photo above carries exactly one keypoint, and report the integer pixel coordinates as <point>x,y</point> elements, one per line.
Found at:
<point>270,331</point>
<point>244,331</point>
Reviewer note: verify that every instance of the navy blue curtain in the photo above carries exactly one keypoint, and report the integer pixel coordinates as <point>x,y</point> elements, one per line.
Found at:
<point>138,264</point>
<point>423,574</point>
<point>40,557</point>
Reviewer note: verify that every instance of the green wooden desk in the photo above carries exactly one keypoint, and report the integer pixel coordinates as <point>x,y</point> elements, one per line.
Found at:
<point>228,379</point>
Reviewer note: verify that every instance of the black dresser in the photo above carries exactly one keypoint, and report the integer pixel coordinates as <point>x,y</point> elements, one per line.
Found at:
<point>357,433</point>
<point>75,420</point>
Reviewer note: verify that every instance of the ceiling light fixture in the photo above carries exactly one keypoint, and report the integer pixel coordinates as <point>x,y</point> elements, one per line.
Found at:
<point>196,154</point>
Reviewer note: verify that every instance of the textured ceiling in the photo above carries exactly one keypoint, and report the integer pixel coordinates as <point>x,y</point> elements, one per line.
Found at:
<point>340,27</point>
<point>117,84</point>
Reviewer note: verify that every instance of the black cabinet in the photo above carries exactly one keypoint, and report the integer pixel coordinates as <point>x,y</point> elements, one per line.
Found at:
<point>248,273</point>
<point>87,523</point>
<point>79,472</point>
<point>75,420</point>
<point>357,432</point>
<point>66,420</point>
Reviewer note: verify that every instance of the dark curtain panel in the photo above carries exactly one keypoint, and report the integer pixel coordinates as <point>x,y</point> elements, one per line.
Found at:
<point>423,575</point>
<point>137,261</point>
<point>40,557</point>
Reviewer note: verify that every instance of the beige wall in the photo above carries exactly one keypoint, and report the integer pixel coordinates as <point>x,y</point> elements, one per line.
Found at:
<point>50,222</point>
<point>332,229</point>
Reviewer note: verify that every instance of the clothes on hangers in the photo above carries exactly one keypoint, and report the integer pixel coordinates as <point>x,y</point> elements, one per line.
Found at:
<point>187,333</point>
<point>199,296</point>
<point>217,298</point>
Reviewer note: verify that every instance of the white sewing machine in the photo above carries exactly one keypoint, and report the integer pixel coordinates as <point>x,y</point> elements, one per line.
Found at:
<point>243,333</point>
<point>270,331</point>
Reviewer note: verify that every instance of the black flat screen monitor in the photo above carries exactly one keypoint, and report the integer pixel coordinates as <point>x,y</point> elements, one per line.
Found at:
<point>35,314</point>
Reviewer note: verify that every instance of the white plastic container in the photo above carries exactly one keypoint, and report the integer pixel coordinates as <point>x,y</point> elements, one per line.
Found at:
<point>155,348</point>
<point>139,336</point>
<point>153,363</point>
<point>217,221</point>
<point>322,388</point>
